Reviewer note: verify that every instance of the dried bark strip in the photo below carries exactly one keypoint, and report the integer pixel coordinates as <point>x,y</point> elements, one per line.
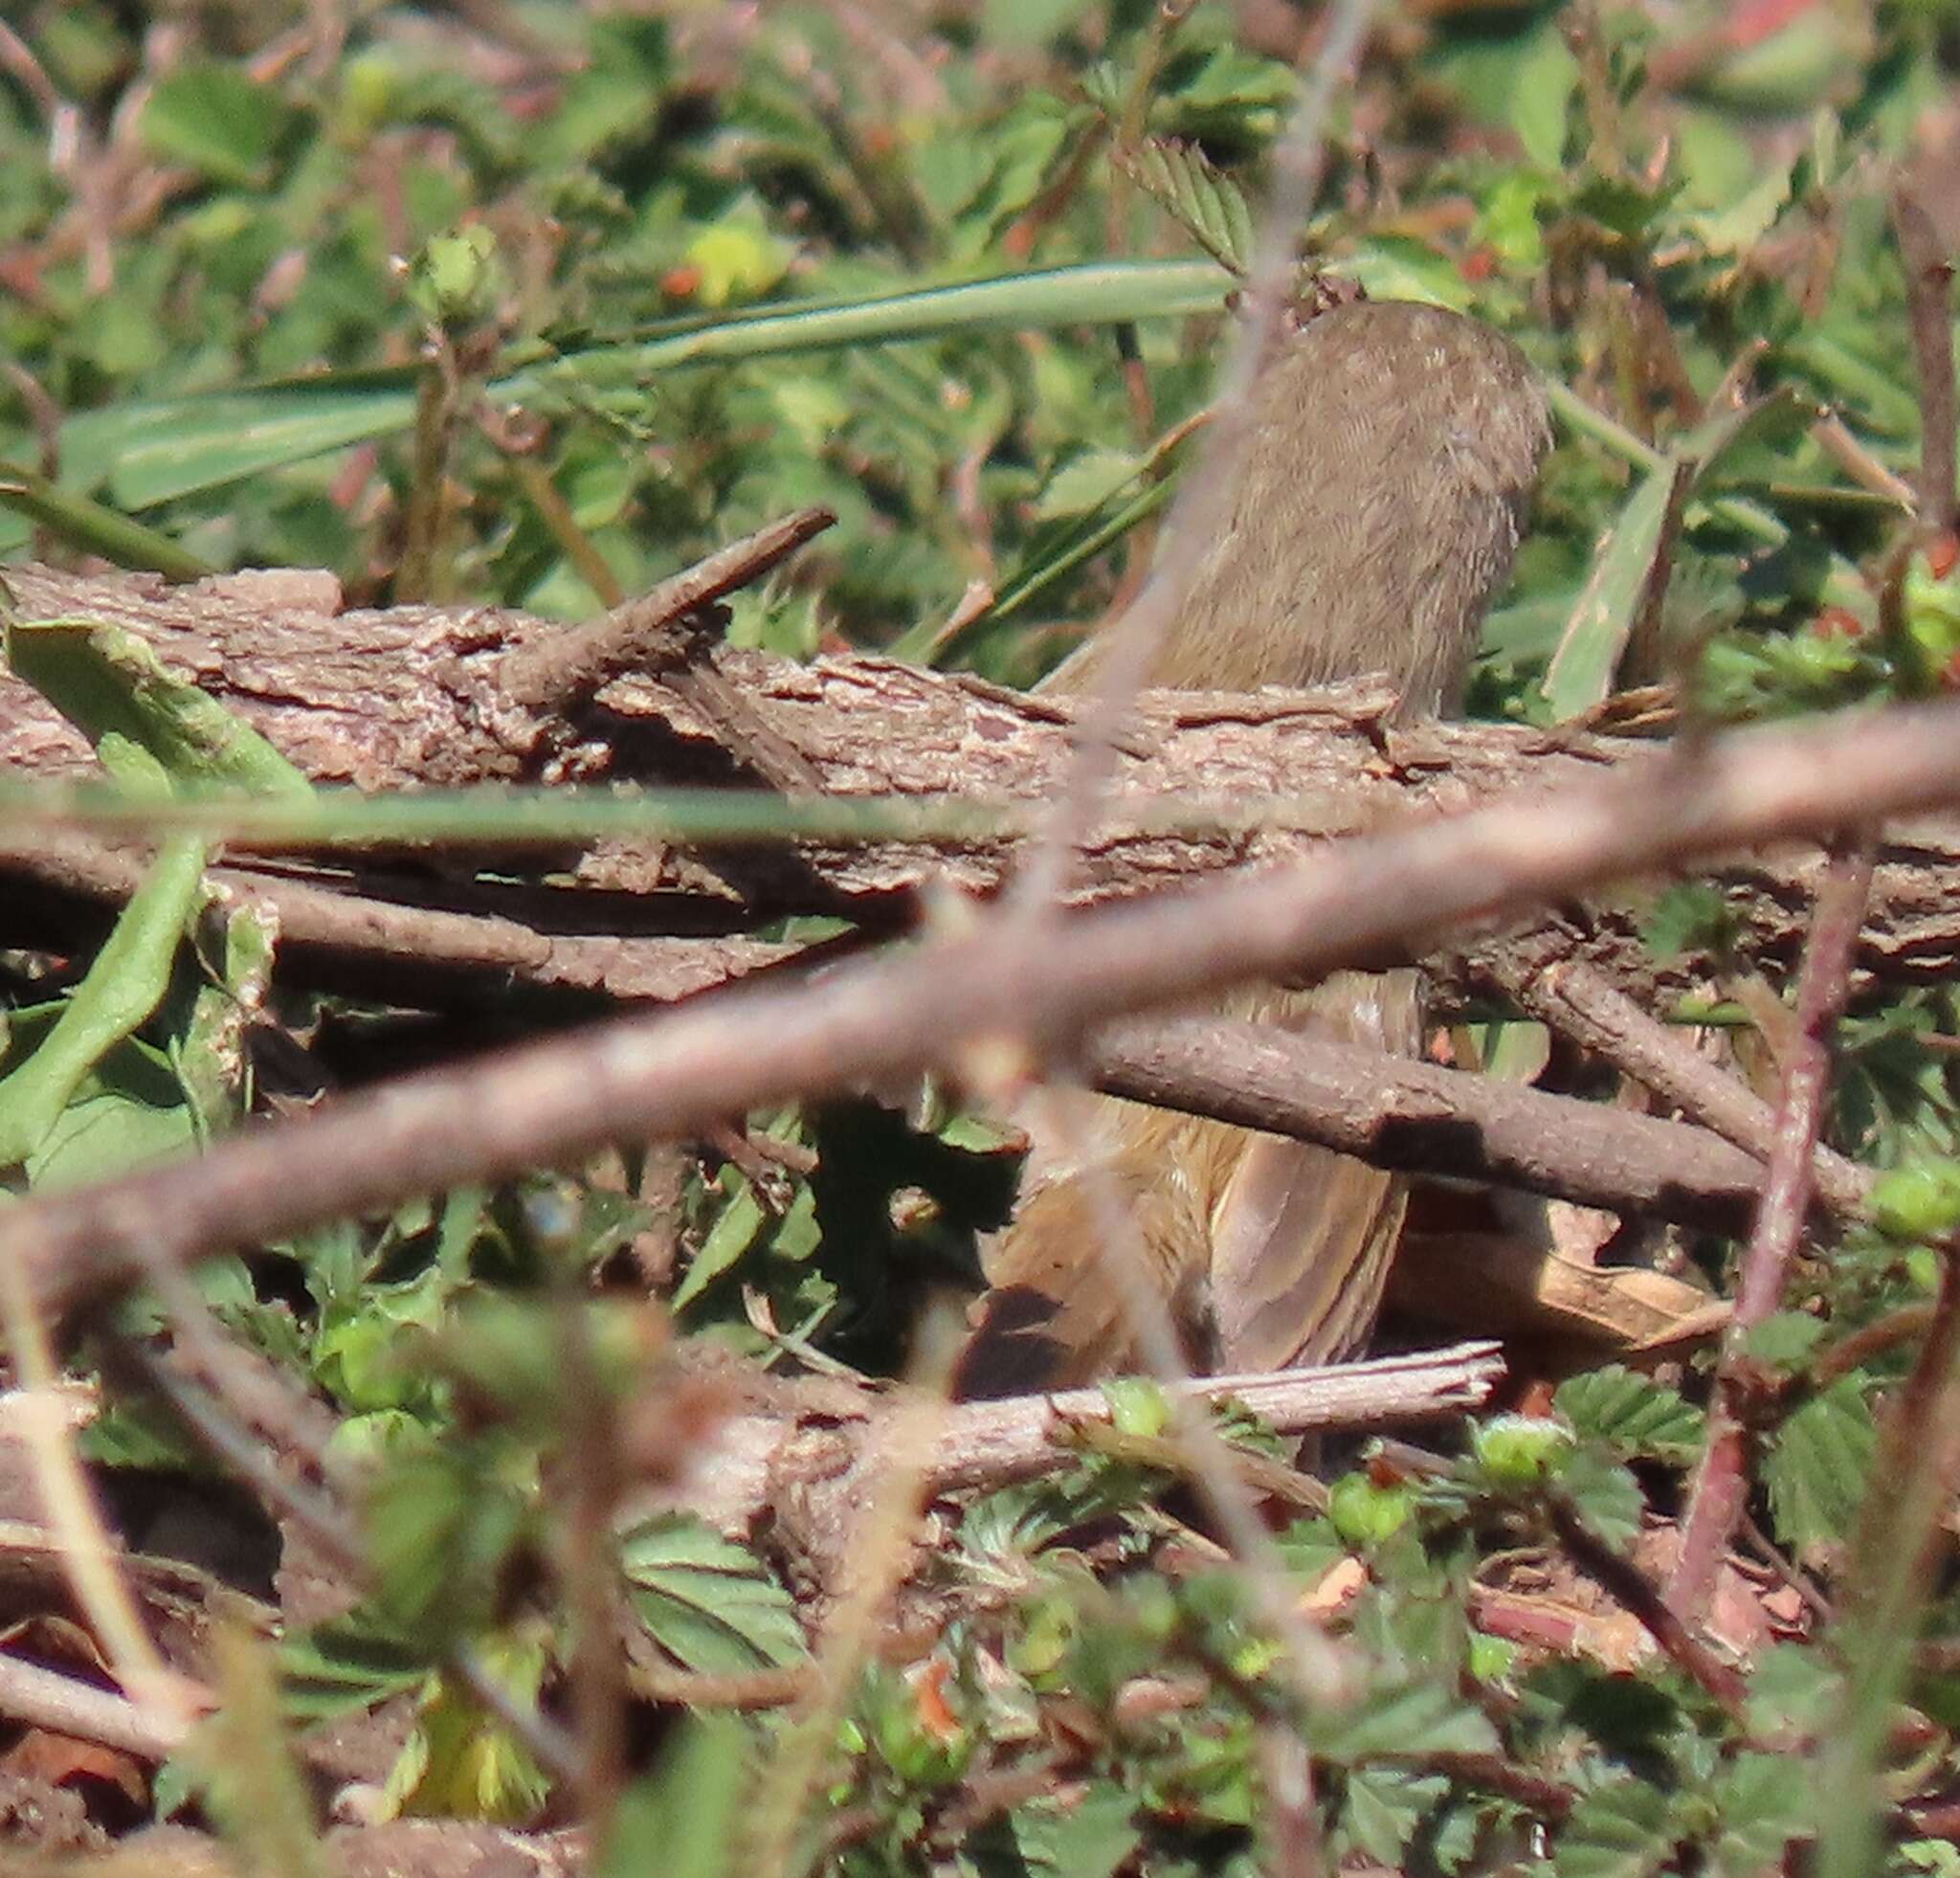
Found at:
<point>753,1461</point>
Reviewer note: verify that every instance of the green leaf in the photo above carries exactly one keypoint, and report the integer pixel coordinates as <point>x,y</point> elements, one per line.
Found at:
<point>705,1600</point>
<point>461,1762</point>
<point>1582,669</point>
<point>151,451</point>
<point>1623,1830</point>
<point>1548,79</point>
<point>1383,1808</point>
<point>1093,1835</point>
<point>441,1531</point>
<point>94,527</point>
<point>215,119</point>
<point>1818,1465</point>
<point>1087,481</point>
<point>1792,1693</point>
<point>1364,1515</point>
<point>112,687</point>
<point>1209,207</point>
<point>1764,1804</point>
<point>737,1227</point>
<point>1517,1450</point>
<point>1784,1341</point>
<point>124,983</point>
<point>1917,1202</point>
<point>348,1662</point>
<point>1417,1718</point>
<point>1028,22</point>
<point>1605,1495</point>
<point>113,1121</point>
<point>1686,916</point>
<point>1624,567</point>
<point>1632,1413</point>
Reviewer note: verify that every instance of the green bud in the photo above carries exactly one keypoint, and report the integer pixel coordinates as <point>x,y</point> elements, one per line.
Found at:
<point>1137,1407</point>
<point>1364,1515</point>
<point>455,279</point>
<point>1917,1202</point>
<point>1518,1451</point>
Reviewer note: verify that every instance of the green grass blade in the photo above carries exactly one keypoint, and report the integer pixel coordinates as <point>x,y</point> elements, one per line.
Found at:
<point>96,528</point>
<point>493,815</point>
<point>125,984</point>
<point>150,453</point>
<point>153,452</point>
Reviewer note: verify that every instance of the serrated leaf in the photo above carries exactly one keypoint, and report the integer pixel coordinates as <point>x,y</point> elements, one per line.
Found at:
<point>1784,1341</point>
<point>1607,1497</point>
<point>1618,1831</point>
<point>353,1662</point>
<point>1763,1803</point>
<point>460,1761</point>
<point>1092,1836</point>
<point>1383,1806</point>
<point>1632,1412</point>
<point>1685,916</point>
<point>1209,207</point>
<point>1816,1468</point>
<point>1791,1691</point>
<point>1427,1717</point>
<point>706,1601</point>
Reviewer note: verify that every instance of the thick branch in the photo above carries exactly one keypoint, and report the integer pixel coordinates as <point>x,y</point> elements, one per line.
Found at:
<point>420,696</point>
<point>1430,1121</point>
<point>950,1004</point>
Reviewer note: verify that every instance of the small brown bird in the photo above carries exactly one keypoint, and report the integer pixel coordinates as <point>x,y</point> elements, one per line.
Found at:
<point>1377,511</point>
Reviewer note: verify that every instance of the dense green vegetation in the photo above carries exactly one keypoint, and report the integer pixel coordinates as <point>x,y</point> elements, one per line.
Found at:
<point>537,303</point>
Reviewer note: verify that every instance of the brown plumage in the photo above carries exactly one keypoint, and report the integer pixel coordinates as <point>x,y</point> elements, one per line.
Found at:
<point>1377,511</point>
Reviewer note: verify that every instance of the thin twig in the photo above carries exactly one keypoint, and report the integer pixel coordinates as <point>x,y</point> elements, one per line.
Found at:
<point>1721,1484</point>
<point>589,1457</point>
<point>1318,1667</point>
<point>44,1698</point>
<point>1416,1116</point>
<point>1577,1000</point>
<point>880,1555</point>
<point>89,1556</point>
<point>553,672</point>
<point>1886,1582</point>
<point>1199,512</point>
<point>1929,280</point>
<point>1631,1586</point>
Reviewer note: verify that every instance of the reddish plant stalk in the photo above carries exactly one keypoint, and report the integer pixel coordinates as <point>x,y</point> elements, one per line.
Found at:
<point>1722,1486</point>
